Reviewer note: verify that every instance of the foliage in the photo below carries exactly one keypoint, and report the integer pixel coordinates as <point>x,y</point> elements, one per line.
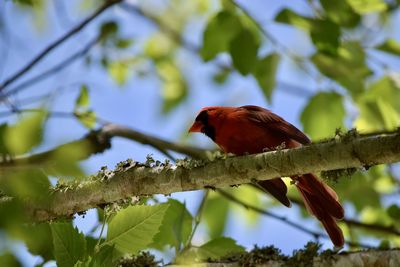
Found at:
<point>346,47</point>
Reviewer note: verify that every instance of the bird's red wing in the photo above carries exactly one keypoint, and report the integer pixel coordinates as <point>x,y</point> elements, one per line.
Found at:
<point>272,122</point>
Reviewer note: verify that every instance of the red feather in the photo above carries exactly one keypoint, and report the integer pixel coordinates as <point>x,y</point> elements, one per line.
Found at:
<point>252,129</point>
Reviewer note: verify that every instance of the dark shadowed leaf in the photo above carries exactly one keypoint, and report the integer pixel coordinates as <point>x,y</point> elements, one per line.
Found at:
<point>37,238</point>
<point>340,12</point>
<point>133,229</point>
<point>243,49</point>
<point>218,34</point>
<point>176,226</point>
<point>323,114</point>
<point>7,259</point>
<point>69,244</point>
<point>218,248</point>
<point>394,211</point>
<point>265,73</point>
<point>390,46</point>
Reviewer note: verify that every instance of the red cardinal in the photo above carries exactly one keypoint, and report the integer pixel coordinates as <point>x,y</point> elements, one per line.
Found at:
<point>252,129</point>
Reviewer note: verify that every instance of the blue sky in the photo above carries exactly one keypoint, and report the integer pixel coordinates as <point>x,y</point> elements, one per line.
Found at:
<point>137,103</point>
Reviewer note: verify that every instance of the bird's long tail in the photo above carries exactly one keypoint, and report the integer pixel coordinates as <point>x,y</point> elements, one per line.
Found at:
<point>322,202</point>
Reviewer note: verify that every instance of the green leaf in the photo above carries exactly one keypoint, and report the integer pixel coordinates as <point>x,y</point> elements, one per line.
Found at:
<point>379,106</point>
<point>394,211</point>
<point>176,226</point>
<point>9,260</point>
<point>219,247</point>
<point>69,244</point>
<point>36,237</point>
<point>87,118</point>
<point>174,86</point>
<point>104,257</point>
<point>3,141</point>
<point>119,71</point>
<point>367,6</point>
<point>265,73</point>
<point>26,134</point>
<point>348,67</point>
<point>158,47</point>
<point>243,49</point>
<point>324,33</point>
<point>133,229</point>
<point>218,34</point>
<point>28,183</point>
<point>323,114</point>
<point>83,101</point>
<point>123,43</point>
<point>215,214</point>
<point>376,115</point>
<point>391,46</point>
<point>108,30</point>
<point>340,12</point>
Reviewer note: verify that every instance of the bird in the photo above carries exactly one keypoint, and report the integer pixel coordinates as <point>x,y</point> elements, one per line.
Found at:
<point>252,129</point>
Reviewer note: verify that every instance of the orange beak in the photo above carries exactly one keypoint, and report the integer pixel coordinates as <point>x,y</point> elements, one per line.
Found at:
<point>196,127</point>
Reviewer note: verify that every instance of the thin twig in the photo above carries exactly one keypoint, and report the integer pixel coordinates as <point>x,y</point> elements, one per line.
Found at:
<point>58,42</point>
<point>283,219</point>
<point>58,67</point>
<point>197,218</point>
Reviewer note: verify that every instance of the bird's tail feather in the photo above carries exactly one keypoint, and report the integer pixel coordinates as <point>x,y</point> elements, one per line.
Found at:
<point>277,188</point>
<point>322,202</point>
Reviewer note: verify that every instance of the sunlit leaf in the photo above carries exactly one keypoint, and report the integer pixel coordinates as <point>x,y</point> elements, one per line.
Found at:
<point>219,247</point>
<point>176,226</point>
<point>158,46</point>
<point>119,71</point>
<point>29,183</point>
<point>379,106</point>
<point>215,214</point>
<point>348,67</point>
<point>243,49</point>
<point>367,6</point>
<point>174,86</point>
<point>82,101</point>
<point>88,118</point>
<point>323,114</point>
<point>133,229</point>
<point>218,33</point>
<point>340,12</point>
<point>250,195</point>
<point>390,46</point>
<point>26,134</point>
<point>69,244</point>
<point>265,73</point>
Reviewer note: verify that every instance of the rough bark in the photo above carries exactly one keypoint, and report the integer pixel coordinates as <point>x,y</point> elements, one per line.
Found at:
<point>133,179</point>
<point>371,258</point>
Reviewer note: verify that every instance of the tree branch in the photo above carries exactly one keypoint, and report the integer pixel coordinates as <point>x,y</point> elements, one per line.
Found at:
<point>135,179</point>
<point>100,140</point>
<point>52,46</point>
<point>369,258</point>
